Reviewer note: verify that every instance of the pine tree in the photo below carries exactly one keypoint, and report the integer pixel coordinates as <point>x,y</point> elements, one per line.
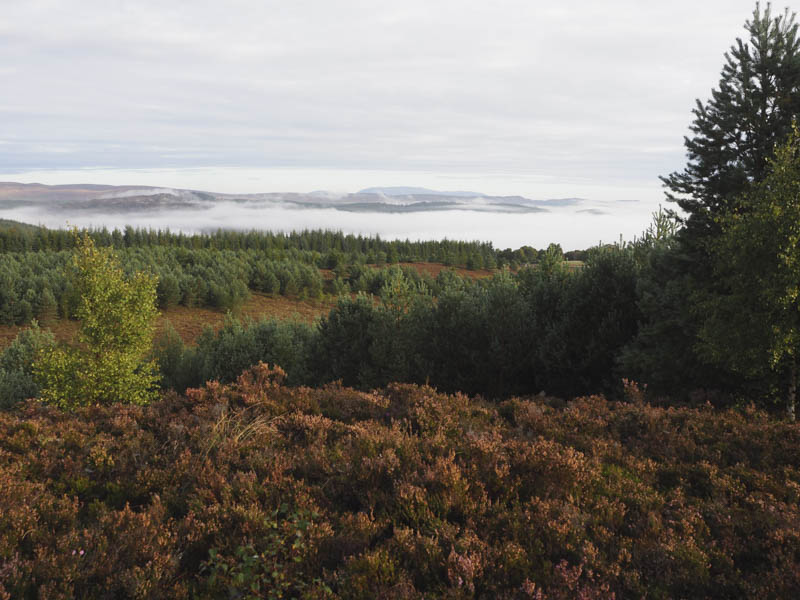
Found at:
<point>735,132</point>
<point>732,137</point>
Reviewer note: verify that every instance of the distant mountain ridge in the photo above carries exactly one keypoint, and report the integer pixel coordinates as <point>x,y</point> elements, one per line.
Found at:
<point>412,191</point>
<point>128,199</point>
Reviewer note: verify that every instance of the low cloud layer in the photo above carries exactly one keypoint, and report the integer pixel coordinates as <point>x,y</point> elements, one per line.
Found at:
<point>571,226</point>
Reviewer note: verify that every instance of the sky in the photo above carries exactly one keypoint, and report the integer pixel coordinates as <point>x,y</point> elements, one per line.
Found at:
<point>542,99</point>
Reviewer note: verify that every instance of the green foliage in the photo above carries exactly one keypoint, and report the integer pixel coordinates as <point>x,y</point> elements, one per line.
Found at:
<point>17,380</point>
<point>116,316</point>
<point>734,133</point>
<point>733,136</point>
<point>171,355</point>
<point>598,317</point>
<point>667,333</point>
<point>169,291</point>
<point>552,259</point>
<point>217,271</point>
<point>753,326</point>
<point>343,350</point>
<point>237,346</point>
<point>267,569</point>
<point>543,329</point>
<point>321,248</point>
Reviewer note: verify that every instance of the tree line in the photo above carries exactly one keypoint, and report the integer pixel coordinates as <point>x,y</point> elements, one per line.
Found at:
<point>35,284</point>
<point>544,328</point>
<point>314,246</point>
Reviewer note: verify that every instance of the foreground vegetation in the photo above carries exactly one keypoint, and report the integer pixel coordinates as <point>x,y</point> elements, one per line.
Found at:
<point>259,490</point>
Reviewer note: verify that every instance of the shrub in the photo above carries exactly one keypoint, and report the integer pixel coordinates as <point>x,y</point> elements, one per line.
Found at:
<point>17,381</point>
<point>116,330</point>
<point>253,487</point>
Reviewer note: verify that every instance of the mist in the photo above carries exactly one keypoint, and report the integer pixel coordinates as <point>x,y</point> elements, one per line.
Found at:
<point>573,228</point>
<point>606,211</point>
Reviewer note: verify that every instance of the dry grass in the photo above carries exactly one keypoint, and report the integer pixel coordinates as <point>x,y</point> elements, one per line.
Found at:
<point>434,268</point>
<point>190,322</point>
<point>426,267</point>
<point>63,329</point>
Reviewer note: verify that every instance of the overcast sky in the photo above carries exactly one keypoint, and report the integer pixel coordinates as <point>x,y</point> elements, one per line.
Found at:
<point>578,93</point>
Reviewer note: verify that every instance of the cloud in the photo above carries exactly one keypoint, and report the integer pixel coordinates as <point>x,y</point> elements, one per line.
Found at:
<point>580,91</point>
<point>573,229</point>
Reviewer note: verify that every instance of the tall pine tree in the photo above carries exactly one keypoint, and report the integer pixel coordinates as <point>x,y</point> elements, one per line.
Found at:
<point>736,130</point>
<point>733,135</point>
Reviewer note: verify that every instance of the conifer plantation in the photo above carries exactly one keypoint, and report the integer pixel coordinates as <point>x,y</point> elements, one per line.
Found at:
<point>461,422</point>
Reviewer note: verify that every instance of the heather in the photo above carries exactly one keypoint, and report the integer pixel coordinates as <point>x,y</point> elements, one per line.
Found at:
<point>254,489</point>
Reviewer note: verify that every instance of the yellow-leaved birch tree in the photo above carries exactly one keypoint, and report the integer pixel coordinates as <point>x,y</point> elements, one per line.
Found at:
<point>117,314</point>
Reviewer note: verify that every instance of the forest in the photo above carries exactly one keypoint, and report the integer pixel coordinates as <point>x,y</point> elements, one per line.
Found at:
<point>215,270</point>
<point>615,422</point>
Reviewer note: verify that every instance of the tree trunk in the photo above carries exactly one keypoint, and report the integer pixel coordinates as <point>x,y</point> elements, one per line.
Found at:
<point>792,395</point>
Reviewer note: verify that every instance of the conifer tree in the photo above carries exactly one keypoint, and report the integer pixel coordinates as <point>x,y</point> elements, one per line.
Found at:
<point>736,130</point>
<point>733,135</point>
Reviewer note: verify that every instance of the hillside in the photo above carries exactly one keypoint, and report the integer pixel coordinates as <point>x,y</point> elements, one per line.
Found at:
<point>9,225</point>
<point>189,322</point>
<point>253,488</point>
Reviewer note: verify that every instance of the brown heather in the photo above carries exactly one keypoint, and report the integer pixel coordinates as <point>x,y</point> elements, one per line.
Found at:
<point>255,490</point>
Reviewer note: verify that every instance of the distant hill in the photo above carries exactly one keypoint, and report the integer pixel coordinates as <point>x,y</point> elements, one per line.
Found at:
<point>6,224</point>
<point>106,199</point>
<point>414,191</point>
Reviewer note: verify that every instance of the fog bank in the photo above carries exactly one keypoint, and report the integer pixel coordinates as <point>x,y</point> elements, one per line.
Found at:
<point>572,228</point>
